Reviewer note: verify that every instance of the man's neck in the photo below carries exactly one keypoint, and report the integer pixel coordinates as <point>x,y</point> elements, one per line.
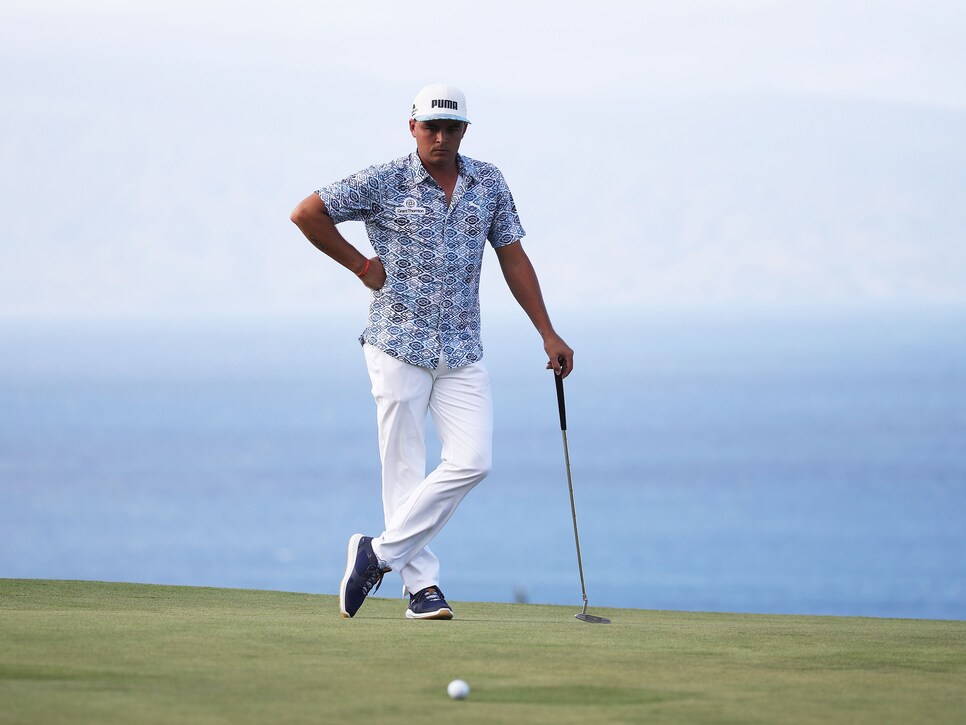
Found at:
<point>445,175</point>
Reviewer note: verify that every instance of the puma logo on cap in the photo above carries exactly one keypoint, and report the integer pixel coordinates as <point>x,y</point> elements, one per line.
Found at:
<point>440,101</point>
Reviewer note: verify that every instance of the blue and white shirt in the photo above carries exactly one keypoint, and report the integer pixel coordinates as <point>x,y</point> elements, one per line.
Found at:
<point>432,253</point>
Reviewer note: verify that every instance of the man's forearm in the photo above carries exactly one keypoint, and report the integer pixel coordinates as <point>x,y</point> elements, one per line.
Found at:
<point>311,217</point>
<point>522,280</point>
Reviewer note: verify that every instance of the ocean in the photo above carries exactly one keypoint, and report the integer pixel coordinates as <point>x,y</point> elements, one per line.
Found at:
<point>775,463</point>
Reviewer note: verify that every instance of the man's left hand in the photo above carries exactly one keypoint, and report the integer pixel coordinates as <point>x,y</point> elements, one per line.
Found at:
<point>561,356</point>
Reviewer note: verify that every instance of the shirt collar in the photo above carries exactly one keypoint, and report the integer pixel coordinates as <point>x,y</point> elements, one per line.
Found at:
<point>465,165</point>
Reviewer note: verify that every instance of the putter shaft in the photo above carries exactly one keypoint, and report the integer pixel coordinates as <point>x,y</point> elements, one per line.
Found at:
<point>561,406</point>
<point>573,511</point>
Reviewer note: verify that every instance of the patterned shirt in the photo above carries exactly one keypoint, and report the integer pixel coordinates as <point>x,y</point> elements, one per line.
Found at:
<point>432,253</point>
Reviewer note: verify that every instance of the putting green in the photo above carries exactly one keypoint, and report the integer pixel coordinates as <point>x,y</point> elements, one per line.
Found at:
<point>97,652</point>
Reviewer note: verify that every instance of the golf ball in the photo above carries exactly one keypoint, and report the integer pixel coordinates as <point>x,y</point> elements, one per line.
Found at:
<point>458,689</point>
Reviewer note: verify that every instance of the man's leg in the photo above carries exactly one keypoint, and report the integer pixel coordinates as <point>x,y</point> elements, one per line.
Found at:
<point>402,394</point>
<point>462,409</point>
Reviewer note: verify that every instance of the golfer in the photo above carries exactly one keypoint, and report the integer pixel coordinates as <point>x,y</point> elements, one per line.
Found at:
<point>428,216</point>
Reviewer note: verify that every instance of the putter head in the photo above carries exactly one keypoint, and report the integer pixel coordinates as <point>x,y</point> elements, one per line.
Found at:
<point>591,619</point>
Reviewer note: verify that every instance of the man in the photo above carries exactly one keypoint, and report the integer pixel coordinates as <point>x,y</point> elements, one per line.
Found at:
<point>428,216</point>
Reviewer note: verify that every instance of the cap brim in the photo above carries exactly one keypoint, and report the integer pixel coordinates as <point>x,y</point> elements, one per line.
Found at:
<point>440,117</point>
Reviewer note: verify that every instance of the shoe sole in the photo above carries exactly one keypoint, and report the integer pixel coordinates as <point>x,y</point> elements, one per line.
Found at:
<point>351,556</point>
<point>444,613</point>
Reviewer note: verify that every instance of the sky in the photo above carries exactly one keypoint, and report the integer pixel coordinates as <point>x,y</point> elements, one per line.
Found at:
<point>707,155</point>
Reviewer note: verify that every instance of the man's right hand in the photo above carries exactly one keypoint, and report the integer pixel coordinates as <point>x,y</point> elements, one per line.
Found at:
<point>375,276</point>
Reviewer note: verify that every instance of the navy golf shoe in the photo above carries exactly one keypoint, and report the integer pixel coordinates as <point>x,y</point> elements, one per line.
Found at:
<point>428,603</point>
<point>363,571</point>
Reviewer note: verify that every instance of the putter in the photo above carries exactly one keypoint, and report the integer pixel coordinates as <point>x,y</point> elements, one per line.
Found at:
<point>583,616</point>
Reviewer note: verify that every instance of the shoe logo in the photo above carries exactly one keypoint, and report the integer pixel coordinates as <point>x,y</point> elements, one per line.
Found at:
<point>410,207</point>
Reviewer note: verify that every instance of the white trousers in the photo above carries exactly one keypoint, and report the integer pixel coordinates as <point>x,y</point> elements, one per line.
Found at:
<point>417,506</point>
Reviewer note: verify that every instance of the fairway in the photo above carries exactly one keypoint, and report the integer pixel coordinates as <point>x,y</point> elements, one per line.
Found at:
<point>98,652</point>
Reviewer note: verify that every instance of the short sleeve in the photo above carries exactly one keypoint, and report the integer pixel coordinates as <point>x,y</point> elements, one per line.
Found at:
<point>355,198</point>
<point>505,228</point>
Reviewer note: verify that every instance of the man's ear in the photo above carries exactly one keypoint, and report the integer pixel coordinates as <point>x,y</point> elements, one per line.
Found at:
<point>412,127</point>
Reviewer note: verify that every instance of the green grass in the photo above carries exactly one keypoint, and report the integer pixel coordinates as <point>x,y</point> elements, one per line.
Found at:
<point>95,652</point>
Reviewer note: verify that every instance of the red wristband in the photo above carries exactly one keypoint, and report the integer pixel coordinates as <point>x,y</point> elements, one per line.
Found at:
<point>365,268</point>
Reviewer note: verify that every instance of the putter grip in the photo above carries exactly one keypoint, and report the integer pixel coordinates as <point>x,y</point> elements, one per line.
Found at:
<point>558,379</point>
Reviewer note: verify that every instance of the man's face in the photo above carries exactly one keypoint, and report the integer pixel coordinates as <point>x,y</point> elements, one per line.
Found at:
<point>437,141</point>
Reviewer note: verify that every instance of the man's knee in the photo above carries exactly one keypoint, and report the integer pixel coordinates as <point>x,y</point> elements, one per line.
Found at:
<point>477,466</point>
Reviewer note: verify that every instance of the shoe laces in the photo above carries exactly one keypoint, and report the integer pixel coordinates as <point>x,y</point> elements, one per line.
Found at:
<point>429,594</point>
<point>373,578</point>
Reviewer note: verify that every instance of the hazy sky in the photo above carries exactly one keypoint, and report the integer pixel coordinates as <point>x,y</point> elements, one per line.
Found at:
<point>661,154</point>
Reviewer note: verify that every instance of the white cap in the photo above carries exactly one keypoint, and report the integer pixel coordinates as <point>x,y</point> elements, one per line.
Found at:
<point>440,101</point>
